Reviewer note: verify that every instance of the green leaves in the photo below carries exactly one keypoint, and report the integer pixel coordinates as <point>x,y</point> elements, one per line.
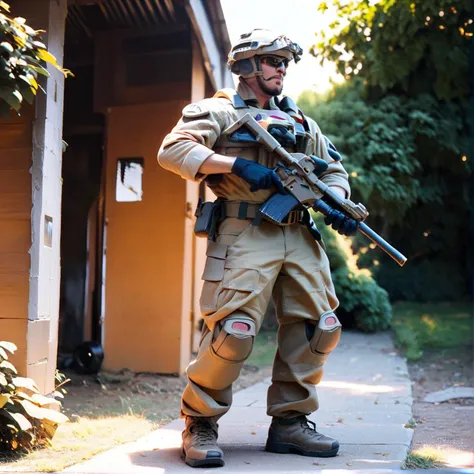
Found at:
<point>408,162</point>
<point>22,58</point>
<point>8,346</point>
<point>418,45</point>
<point>27,418</point>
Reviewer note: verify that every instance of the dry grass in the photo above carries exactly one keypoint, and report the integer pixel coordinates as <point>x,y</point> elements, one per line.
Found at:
<point>432,457</point>
<point>108,414</point>
<point>77,442</point>
<point>422,459</point>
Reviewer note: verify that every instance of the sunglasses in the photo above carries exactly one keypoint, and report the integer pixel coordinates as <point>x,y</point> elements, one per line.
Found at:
<point>274,61</point>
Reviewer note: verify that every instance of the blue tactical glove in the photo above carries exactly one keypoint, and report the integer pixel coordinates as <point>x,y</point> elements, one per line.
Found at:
<point>284,137</point>
<point>320,166</point>
<point>258,176</point>
<point>333,153</point>
<point>343,224</point>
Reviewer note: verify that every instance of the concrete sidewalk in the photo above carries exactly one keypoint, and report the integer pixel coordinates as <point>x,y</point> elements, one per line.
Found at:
<point>365,400</point>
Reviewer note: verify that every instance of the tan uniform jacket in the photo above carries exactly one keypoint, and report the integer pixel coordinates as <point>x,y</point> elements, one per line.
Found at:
<point>199,133</point>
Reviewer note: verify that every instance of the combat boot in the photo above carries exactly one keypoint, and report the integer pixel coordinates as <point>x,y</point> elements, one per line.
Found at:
<point>199,446</point>
<point>299,436</point>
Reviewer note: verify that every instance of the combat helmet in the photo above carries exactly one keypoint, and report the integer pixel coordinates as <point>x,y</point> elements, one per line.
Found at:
<point>243,57</point>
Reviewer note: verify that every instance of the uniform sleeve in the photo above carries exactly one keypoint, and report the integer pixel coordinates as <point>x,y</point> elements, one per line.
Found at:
<point>190,142</point>
<point>335,175</point>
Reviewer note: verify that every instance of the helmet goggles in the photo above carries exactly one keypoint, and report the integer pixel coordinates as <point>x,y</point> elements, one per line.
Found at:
<point>274,61</point>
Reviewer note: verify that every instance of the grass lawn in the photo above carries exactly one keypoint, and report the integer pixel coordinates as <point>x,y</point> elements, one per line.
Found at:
<point>419,326</point>
<point>264,349</point>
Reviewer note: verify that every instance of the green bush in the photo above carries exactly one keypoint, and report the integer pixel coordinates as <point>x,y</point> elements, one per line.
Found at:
<point>27,418</point>
<point>363,303</point>
<point>363,299</point>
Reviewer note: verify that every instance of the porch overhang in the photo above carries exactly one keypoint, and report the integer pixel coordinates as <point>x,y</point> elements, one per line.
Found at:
<point>209,27</point>
<point>205,17</point>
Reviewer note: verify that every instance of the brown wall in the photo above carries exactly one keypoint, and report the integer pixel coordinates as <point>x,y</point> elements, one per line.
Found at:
<point>15,234</point>
<point>145,244</point>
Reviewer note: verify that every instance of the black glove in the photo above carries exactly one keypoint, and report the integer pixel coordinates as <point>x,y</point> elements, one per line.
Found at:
<point>258,176</point>
<point>343,224</point>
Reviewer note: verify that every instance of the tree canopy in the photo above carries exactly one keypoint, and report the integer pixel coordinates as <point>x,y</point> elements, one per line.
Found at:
<point>410,46</point>
<point>401,122</point>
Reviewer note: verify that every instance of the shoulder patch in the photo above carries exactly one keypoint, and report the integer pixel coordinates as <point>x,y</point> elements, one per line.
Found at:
<point>194,111</point>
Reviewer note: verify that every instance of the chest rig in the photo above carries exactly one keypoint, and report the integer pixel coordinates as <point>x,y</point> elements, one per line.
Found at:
<point>290,128</point>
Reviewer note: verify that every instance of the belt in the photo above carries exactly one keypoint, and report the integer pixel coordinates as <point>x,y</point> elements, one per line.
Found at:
<point>249,210</point>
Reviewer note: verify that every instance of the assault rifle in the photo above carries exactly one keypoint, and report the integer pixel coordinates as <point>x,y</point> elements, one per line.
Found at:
<point>298,173</point>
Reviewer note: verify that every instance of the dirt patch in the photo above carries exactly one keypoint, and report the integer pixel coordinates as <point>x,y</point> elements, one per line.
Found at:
<point>156,397</point>
<point>446,428</point>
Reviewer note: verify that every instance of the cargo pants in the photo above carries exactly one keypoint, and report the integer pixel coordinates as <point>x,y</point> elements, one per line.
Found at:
<point>245,266</point>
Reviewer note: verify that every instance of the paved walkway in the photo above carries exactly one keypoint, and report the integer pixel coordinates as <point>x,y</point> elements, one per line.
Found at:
<point>365,399</point>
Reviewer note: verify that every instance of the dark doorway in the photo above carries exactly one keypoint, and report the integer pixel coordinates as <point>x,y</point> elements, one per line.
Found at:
<point>82,200</point>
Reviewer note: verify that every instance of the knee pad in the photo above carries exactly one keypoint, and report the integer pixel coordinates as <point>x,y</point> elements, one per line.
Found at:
<point>233,338</point>
<point>324,337</point>
<point>222,353</point>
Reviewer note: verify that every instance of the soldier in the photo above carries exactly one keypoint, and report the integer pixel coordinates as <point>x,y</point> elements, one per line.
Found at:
<point>250,259</point>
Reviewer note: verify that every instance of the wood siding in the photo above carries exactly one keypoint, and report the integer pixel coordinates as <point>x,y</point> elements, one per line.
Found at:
<point>15,230</point>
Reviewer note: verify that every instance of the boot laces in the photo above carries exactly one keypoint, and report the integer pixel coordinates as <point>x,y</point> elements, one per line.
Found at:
<point>204,431</point>
<point>310,427</point>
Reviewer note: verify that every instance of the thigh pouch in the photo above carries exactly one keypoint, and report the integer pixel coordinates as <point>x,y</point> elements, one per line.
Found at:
<point>225,289</point>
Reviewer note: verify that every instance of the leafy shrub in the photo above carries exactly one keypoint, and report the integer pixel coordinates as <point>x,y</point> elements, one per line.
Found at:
<point>27,418</point>
<point>363,299</point>
<point>22,58</point>
<point>363,303</point>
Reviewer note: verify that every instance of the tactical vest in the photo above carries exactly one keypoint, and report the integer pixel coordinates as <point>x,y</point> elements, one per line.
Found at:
<point>285,122</point>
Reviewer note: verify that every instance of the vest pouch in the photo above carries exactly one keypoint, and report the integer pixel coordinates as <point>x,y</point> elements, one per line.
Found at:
<point>207,216</point>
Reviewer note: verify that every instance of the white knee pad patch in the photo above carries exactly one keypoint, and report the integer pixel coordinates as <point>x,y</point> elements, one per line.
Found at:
<point>326,334</point>
<point>234,338</point>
